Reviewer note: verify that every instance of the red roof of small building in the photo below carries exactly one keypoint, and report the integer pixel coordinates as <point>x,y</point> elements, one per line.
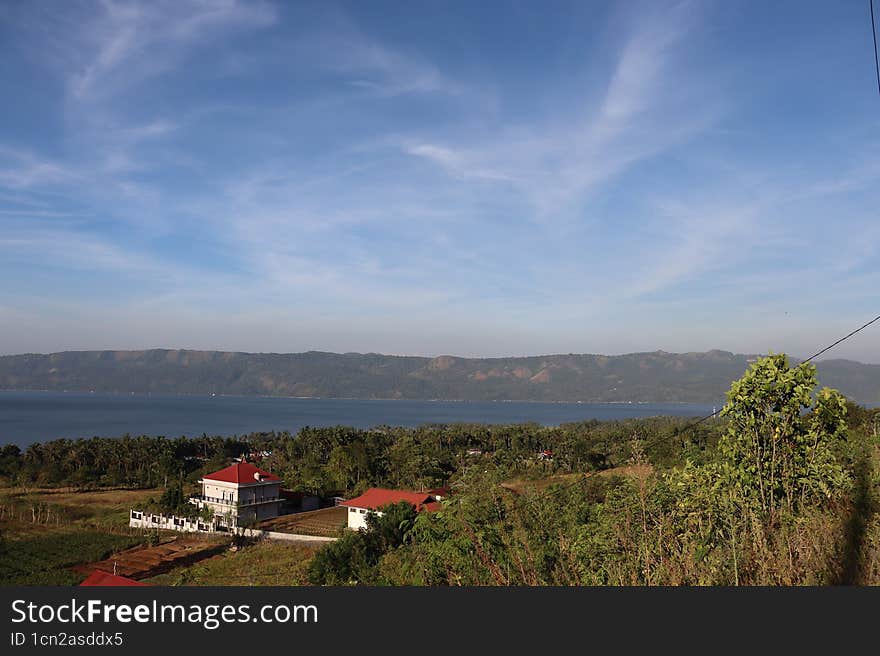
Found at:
<point>99,578</point>
<point>241,473</point>
<point>376,497</point>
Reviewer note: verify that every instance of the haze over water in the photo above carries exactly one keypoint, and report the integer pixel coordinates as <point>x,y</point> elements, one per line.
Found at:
<point>27,417</point>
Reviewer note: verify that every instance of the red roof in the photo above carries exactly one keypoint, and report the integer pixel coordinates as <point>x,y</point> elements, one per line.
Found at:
<point>241,473</point>
<point>99,578</point>
<point>376,497</point>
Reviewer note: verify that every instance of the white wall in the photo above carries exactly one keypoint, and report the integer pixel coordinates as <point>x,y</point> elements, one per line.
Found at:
<point>357,517</point>
<point>138,519</point>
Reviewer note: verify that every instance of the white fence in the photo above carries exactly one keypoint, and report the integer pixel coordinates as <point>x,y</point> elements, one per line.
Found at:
<point>139,519</point>
<point>287,537</point>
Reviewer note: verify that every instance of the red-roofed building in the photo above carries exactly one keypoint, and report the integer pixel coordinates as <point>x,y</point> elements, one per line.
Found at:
<point>376,497</point>
<point>101,578</point>
<point>240,495</point>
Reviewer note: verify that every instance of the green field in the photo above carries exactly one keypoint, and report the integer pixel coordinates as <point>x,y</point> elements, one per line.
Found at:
<point>260,563</point>
<point>44,532</point>
<point>45,559</point>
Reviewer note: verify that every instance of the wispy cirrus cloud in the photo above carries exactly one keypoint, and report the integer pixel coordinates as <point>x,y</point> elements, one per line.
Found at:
<point>343,49</point>
<point>124,42</point>
<point>23,170</point>
<point>458,163</point>
<point>644,110</point>
<point>103,55</point>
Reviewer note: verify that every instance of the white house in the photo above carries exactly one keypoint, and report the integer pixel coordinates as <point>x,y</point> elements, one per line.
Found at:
<point>375,498</point>
<point>240,495</point>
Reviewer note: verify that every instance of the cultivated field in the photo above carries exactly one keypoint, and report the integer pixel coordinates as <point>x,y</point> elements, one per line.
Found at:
<point>325,522</point>
<point>146,561</point>
<point>44,533</point>
<point>96,509</point>
<point>47,559</point>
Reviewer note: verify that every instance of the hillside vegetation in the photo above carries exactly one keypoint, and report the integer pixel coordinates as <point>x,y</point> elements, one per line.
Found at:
<point>638,377</point>
<point>788,493</point>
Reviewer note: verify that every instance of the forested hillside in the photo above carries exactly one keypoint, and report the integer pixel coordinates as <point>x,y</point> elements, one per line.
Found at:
<point>649,377</point>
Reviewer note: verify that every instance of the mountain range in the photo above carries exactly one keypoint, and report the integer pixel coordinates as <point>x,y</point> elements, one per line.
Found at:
<point>639,377</point>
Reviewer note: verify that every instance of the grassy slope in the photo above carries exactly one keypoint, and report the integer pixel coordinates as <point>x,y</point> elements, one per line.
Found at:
<point>261,563</point>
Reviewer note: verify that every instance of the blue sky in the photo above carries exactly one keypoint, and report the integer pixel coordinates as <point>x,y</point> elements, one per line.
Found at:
<point>423,178</point>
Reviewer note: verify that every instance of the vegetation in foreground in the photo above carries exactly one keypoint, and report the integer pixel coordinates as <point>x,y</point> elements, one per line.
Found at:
<point>788,496</point>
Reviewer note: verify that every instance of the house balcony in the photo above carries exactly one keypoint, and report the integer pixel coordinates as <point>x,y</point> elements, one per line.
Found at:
<point>200,499</point>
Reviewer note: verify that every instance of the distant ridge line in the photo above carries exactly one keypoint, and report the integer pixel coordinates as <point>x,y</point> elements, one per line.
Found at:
<point>163,349</point>
<point>647,376</point>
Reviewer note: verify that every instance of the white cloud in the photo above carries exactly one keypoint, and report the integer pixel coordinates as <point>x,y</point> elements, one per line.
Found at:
<point>128,41</point>
<point>459,164</point>
<point>344,49</point>
<point>24,170</point>
<point>74,250</point>
<point>645,110</point>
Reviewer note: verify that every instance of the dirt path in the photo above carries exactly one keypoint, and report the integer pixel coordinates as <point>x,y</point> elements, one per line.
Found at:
<point>144,562</point>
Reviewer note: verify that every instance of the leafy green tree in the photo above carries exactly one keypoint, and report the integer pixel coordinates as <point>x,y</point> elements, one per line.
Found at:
<point>174,502</point>
<point>778,451</point>
<point>352,559</point>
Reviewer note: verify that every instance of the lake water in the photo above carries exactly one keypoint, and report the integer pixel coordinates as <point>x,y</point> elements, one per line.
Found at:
<point>27,417</point>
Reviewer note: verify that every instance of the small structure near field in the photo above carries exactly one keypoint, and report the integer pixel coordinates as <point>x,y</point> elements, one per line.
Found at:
<point>375,498</point>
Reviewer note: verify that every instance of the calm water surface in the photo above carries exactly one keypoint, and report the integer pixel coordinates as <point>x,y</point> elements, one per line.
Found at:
<point>27,417</point>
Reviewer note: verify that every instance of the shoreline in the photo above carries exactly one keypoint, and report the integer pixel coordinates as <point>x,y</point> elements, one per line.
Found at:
<point>205,395</point>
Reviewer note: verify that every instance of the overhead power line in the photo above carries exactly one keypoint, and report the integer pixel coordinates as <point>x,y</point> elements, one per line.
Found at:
<point>842,339</point>
<point>815,355</point>
<point>876,59</point>
<point>699,421</point>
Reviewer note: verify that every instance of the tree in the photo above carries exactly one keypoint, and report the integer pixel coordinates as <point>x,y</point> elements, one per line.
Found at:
<point>778,452</point>
<point>353,558</point>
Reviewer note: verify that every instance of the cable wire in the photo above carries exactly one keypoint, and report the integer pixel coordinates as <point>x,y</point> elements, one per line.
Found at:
<point>581,479</point>
<point>876,59</point>
<point>815,355</point>
<point>831,346</point>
